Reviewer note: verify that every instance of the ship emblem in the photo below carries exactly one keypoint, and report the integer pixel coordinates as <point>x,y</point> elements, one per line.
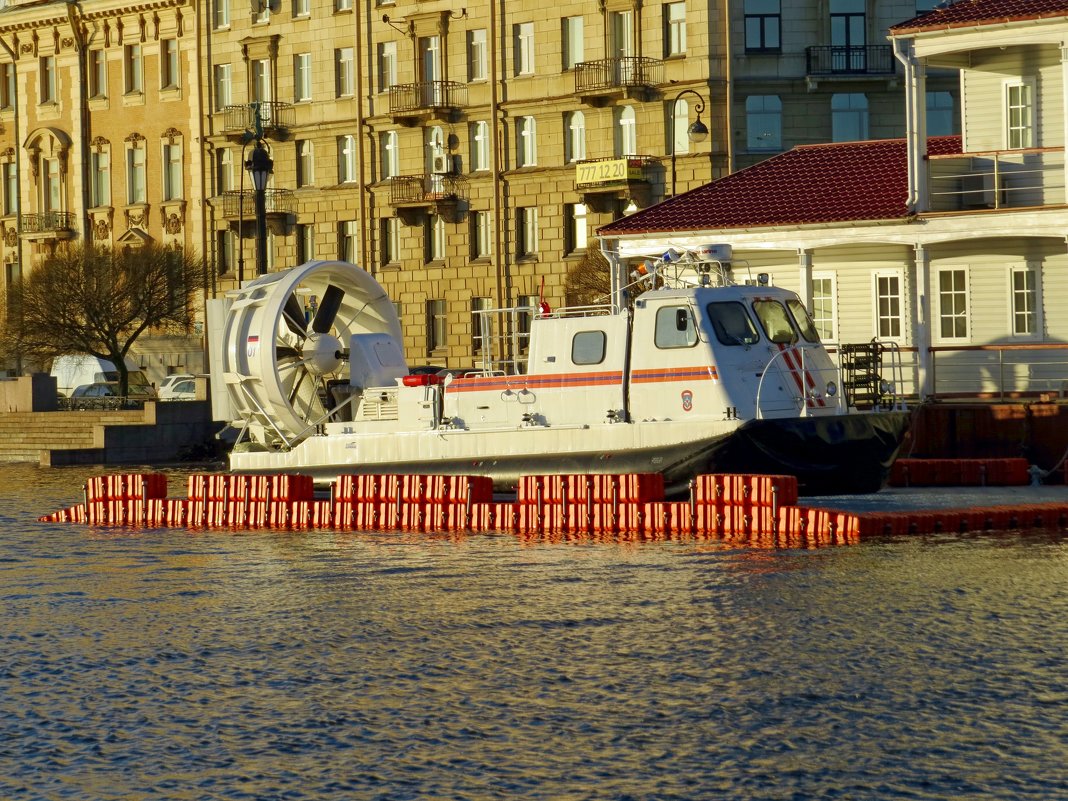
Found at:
<point>687,400</point>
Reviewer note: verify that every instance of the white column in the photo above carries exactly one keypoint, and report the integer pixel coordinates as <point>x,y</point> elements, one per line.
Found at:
<point>804,276</point>
<point>922,334</point>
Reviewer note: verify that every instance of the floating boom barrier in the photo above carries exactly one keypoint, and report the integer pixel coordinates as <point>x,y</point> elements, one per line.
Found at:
<point>755,510</point>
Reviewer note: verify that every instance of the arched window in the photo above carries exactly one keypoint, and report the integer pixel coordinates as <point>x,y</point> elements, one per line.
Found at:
<point>626,132</point>
<point>575,136</point>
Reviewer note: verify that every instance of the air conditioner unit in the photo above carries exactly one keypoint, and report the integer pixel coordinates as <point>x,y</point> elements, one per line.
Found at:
<point>441,164</point>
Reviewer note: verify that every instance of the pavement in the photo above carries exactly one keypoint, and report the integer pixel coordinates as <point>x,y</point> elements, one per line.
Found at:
<point>900,499</point>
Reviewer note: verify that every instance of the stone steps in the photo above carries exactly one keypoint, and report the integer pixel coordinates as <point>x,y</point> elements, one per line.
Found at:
<point>24,435</point>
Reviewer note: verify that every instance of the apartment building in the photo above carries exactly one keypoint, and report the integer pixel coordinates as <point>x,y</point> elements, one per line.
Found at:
<point>99,119</point>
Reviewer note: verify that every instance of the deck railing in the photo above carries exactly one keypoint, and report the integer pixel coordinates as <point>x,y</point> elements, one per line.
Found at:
<point>997,179</point>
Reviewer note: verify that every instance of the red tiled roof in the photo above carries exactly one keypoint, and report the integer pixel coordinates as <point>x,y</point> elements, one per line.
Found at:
<point>970,13</point>
<point>809,184</point>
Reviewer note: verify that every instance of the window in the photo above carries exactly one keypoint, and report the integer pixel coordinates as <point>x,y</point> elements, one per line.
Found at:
<point>305,243</point>
<point>301,8</point>
<point>575,141</point>
<point>523,41</point>
<point>305,162</point>
<point>11,188</point>
<point>220,14</point>
<point>437,329</point>
<point>626,132</point>
<point>680,126</point>
<point>434,238</point>
<point>675,328</point>
<point>823,297</point>
<point>480,146</point>
<point>342,5</point>
<point>529,305</point>
<point>343,74</point>
<point>261,12</point>
<point>172,171</point>
<point>941,120</point>
<point>849,117</point>
<point>477,59</point>
<point>226,249</point>
<point>1019,114</point>
<point>52,186</point>
<point>224,169</point>
<point>953,304</point>
<point>674,29</point>
<point>301,77</point>
<point>387,142</point>
<point>7,85</point>
<point>390,236</point>
<point>1025,301</point>
<point>762,26</point>
<point>572,39</point>
<point>48,79</point>
<point>135,173</point>
<point>526,142</point>
<point>480,235</point>
<point>98,74</point>
<point>222,86</point>
<point>802,321</point>
<point>576,233</point>
<point>261,80</point>
<point>775,321</point>
<point>479,331</point>
<point>99,179</point>
<point>168,64</point>
<point>848,29</point>
<point>621,34</point>
<point>763,119</point>
<point>387,65</point>
<point>348,233</point>
<point>527,235</point>
<point>346,159</point>
<point>588,347</point>
<point>888,305</point>
<point>131,69</point>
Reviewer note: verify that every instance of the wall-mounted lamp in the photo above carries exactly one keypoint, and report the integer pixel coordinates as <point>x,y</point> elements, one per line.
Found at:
<point>461,15</point>
<point>409,28</point>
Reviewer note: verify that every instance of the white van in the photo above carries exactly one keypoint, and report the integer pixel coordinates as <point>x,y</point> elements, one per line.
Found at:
<point>72,371</point>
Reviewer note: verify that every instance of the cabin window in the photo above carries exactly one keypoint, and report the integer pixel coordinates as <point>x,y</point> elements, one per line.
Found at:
<point>732,324</point>
<point>802,320</point>
<point>674,328</point>
<point>775,321</point>
<point>588,347</point>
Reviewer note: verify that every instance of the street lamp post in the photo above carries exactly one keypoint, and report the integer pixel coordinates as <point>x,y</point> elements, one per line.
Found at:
<point>697,132</point>
<point>259,166</point>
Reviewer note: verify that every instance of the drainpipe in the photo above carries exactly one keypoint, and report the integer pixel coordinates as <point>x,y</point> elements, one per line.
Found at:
<point>495,156</point>
<point>18,154</point>
<point>915,138</point>
<point>85,131</point>
<point>729,80</point>
<point>362,190</point>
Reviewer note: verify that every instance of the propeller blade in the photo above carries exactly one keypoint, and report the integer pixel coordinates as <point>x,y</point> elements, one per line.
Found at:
<point>328,309</point>
<point>286,352</point>
<point>293,313</point>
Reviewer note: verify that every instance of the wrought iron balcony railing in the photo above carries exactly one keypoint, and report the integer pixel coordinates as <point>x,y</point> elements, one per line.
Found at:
<point>271,115</point>
<point>849,60</point>
<point>618,73</point>
<point>243,203</point>
<point>408,98</point>
<point>47,222</point>
<point>426,189</point>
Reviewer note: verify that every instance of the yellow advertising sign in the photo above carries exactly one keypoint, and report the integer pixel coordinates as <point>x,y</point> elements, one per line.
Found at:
<point>606,172</point>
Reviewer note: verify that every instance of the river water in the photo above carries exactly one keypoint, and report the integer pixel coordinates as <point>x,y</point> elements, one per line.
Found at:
<point>167,664</point>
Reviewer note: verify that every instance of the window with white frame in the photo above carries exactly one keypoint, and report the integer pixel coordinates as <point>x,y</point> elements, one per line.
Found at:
<point>132,73</point>
<point>387,65</point>
<point>301,8</point>
<point>98,73</point>
<point>226,251</point>
<point>1025,299</point>
<point>135,172</point>
<point>849,117</point>
<point>1019,113</point>
<point>952,303</point>
<point>172,171</point>
<point>261,12</point>
<point>823,305</point>
<point>480,145</point>
<point>941,114</point>
<point>477,55</point>
<point>571,37</point>
<point>889,304</point>
<point>305,243</point>
<point>51,185</point>
<point>47,66</point>
<point>523,45</point>
<point>480,235</point>
<point>302,79</point>
<point>168,64</point>
<point>626,132</point>
<point>346,159</point>
<point>679,126</point>
<point>223,86</point>
<point>11,187</point>
<point>348,238</point>
<point>224,169</point>
<point>763,120</point>
<point>527,233</point>
<point>261,80</point>
<point>577,232</point>
<point>674,29</point>
<point>100,178</point>
<point>390,154</point>
<point>305,162</point>
<point>342,5</point>
<point>526,142</point>
<point>479,331</point>
<point>220,14</point>
<point>7,85</point>
<point>437,326</point>
<point>390,240</point>
<point>575,136</point>
<point>344,78</point>
<point>763,25</point>
<point>434,238</point>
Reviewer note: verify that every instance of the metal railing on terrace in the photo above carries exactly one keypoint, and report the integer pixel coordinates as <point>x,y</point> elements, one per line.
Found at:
<point>239,203</point>
<point>46,222</point>
<point>996,179</point>
<point>426,188</point>
<point>618,73</point>
<point>427,95</point>
<point>848,60</point>
<point>999,372</point>
<point>271,114</point>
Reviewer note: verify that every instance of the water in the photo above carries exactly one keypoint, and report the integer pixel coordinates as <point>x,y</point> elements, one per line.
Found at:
<point>164,664</point>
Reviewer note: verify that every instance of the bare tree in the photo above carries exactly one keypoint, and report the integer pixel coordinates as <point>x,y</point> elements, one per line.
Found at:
<point>99,301</point>
<point>587,281</point>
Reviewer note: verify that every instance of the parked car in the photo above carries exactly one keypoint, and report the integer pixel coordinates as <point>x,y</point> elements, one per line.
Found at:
<point>106,395</point>
<point>178,388</point>
<point>73,370</point>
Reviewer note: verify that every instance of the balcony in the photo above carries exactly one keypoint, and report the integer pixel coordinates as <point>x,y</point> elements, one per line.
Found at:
<point>597,82</point>
<point>412,103</point>
<point>439,193</point>
<point>996,179</point>
<point>263,118</point>
<point>831,60</point>
<point>54,225</point>
<point>240,207</point>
